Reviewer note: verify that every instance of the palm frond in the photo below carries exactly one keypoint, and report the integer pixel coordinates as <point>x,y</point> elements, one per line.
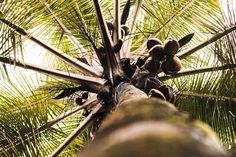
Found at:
<point>78,130</point>
<point>186,53</point>
<point>39,116</point>
<point>26,111</point>
<point>88,81</point>
<point>76,63</point>
<point>188,72</point>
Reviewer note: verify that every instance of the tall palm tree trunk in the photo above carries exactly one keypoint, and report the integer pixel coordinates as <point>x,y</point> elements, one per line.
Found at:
<point>143,126</point>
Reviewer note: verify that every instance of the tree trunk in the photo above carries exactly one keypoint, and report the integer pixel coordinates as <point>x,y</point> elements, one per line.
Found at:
<point>150,127</point>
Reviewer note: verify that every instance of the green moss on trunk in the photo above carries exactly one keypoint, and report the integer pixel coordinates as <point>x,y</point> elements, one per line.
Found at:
<point>152,128</point>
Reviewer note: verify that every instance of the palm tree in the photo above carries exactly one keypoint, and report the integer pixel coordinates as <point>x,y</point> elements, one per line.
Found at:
<point>101,51</point>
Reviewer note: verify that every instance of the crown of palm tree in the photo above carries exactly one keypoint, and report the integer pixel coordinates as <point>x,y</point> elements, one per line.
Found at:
<point>101,45</point>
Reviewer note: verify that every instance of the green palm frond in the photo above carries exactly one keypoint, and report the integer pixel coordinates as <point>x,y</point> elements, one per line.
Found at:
<point>34,120</point>
<point>24,112</point>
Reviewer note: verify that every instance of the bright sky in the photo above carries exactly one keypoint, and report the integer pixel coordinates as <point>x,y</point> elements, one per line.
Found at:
<point>33,55</point>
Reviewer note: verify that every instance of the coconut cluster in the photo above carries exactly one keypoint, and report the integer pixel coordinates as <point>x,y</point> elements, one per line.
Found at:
<point>163,56</point>
<point>143,71</point>
<point>155,88</point>
<point>81,98</point>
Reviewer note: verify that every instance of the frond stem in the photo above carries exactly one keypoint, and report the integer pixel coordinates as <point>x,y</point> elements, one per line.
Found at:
<point>114,67</point>
<point>77,131</point>
<point>92,82</point>
<point>209,96</point>
<point>117,31</point>
<point>67,32</point>
<point>89,103</point>
<point>117,27</point>
<point>187,72</point>
<point>128,43</point>
<point>84,29</point>
<point>84,68</point>
<point>184,54</point>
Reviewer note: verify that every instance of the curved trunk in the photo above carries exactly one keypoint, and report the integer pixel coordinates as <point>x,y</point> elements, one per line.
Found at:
<point>153,128</point>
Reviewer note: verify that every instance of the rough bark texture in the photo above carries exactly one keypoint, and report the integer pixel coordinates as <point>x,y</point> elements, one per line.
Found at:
<point>126,91</point>
<point>152,128</point>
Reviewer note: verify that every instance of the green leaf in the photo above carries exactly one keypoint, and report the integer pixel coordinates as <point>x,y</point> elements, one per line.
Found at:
<point>1,15</point>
